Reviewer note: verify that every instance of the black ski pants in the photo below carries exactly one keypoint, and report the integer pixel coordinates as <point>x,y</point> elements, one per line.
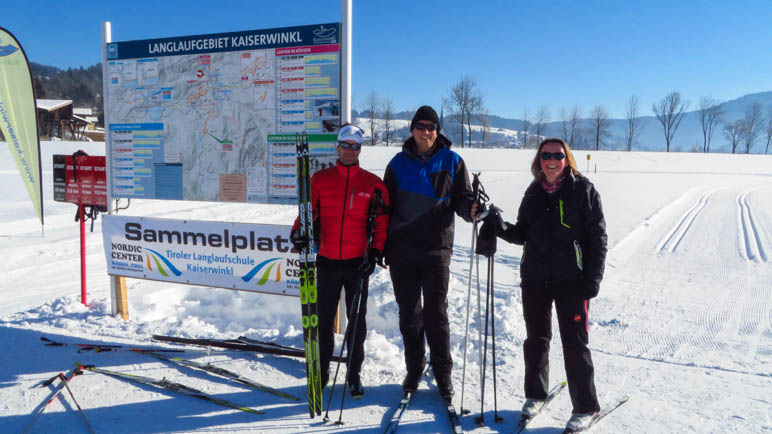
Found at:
<point>429,319</point>
<point>331,276</point>
<point>572,314</point>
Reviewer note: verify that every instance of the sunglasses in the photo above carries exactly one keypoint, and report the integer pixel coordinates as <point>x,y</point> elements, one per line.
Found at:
<point>347,145</point>
<point>425,127</point>
<point>556,155</point>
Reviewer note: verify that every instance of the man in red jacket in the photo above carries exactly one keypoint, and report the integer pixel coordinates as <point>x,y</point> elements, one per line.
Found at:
<point>341,198</point>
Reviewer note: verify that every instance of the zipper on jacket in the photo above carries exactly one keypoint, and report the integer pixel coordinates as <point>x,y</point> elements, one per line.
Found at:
<point>343,215</point>
<point>562,222</point>
<point>578,252</point>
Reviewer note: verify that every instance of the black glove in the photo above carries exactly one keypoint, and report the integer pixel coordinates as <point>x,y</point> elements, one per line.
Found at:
<point>486,239</point>
<point>299,241</point>
<point>588,289</point>
<point>481,210</point>
<point>373,257</point>
<point>493,225</point>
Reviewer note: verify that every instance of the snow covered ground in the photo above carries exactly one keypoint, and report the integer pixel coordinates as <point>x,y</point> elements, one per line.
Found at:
<point>683,323</point>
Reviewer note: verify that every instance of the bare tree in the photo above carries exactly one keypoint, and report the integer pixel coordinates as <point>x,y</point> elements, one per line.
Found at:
<point>564,124</point>
<point>670,111</point>
<point>634,121</point>
<point>769,132</point>
<point>483,117</point>
<point>752,126</point>
<point>710,114</point>
<point>372,105</point>
<point>600,124</point>
<point>464,100</point>
<point>733,132</point>
<point>525,127</point>
<point>574,117</point>
<point>455,117</point>
<point>540,122</point>
<point>388,117</point>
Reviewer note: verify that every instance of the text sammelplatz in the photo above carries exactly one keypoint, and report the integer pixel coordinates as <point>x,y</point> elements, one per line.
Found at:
<point>135,232</point>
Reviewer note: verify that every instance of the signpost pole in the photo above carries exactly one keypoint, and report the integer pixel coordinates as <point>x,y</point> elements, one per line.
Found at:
<point>117,284</point>
<point>82,217</point>
<point>345,72</point>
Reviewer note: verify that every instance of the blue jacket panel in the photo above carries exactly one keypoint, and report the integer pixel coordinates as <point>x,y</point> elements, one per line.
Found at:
<point>425,195</point>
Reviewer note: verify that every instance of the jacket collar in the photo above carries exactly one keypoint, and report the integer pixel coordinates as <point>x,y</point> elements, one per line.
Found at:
<point>347,170</point>
<point>409,148</point>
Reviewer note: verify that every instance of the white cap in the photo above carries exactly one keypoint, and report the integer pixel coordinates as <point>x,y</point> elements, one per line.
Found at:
<point>350,132</point>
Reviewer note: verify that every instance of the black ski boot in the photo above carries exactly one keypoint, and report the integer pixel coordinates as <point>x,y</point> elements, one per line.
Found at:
<point>355,387</point>
<point>410,384</point>
<point>445,386</point>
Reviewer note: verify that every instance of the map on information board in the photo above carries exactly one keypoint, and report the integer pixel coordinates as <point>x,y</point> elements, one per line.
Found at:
<point>214,117</point>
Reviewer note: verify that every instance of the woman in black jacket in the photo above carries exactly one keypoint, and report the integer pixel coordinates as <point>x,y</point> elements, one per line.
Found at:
<point>561,227</point>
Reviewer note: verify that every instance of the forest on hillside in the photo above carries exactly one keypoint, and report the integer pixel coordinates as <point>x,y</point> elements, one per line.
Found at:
<point>81,85</point>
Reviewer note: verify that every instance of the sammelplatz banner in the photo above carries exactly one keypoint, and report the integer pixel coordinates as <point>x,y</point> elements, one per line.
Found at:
<point>18,116</point>
<point>248,257</point>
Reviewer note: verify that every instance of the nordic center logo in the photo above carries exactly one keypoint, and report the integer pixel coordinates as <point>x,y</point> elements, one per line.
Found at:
<point>157,259</point>
<point>268,274</point>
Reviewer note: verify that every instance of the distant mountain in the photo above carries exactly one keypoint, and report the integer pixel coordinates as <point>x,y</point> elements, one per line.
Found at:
<point>689,133</point>
<point>505,132</point>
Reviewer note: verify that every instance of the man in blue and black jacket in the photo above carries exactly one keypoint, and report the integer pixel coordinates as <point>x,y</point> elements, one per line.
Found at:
<point>428,183</point>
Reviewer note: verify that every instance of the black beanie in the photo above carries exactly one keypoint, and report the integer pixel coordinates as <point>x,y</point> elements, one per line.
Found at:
<point>425,113</point>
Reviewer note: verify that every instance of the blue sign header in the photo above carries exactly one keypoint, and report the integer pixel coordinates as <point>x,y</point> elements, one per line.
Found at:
<point>319,34</point>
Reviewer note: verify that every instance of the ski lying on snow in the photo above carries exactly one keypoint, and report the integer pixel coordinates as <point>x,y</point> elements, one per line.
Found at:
<point>208,367</point>
<point>169,385</point>
<point>99,348</point>
<point>239,344</point>
<point>525,420</point>
<point>603,413</point>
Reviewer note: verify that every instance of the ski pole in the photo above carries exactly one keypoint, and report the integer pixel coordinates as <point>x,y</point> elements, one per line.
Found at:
<point>481,419</point>
<point>493,343</point>
<point>335,378</point>
<point>468,309</point>
<point>80,410</point>
<point>354,305</point>
<point>53,395</point>
<point>476,197</point>
<point>481,197</point>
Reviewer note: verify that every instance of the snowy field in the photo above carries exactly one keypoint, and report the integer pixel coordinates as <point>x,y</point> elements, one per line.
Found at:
<point>683,322</point>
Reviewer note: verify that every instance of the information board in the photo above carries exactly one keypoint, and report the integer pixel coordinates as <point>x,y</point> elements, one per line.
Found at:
<point>191,118</point>
<point>80,180</point>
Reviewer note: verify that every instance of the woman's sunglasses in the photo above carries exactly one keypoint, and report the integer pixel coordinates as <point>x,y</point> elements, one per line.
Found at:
<point>347,145</point>
<point>556,155</point>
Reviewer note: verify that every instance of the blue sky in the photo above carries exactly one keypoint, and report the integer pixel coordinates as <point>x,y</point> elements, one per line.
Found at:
<point>523,54</point>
